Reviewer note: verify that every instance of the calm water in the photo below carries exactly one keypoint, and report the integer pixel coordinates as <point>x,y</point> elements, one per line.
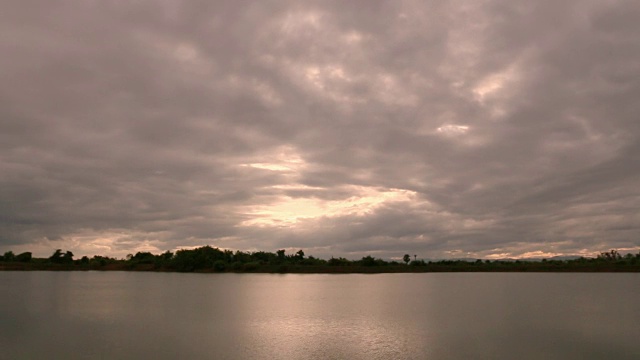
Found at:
<point>127,315</point>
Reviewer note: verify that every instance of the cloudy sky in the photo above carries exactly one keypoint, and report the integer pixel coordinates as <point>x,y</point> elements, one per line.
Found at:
<point>444,129</point>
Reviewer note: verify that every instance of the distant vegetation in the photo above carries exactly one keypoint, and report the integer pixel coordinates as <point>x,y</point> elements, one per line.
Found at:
<point>210,259</point>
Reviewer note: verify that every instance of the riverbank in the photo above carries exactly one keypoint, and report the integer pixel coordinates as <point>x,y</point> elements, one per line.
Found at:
<point>354,269</point>
<point>208,259</point>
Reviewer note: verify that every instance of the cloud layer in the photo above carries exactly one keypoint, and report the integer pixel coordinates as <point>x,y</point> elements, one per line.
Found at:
<point>444,129</point>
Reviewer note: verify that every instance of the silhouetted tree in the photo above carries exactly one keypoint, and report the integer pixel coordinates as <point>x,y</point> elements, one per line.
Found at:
<point>142,258</point>
<point>219,266</point>
<point>263,257</point>
<point>9,256</point>
<point>98,261</point>
<point>612,255</point>
<point>164,259</point>
<point>56,257</point>
<point>24,257</point>
<point>368,261</point>
<point>406,258</point>
<point>59,257</point>
<point>338,262</point>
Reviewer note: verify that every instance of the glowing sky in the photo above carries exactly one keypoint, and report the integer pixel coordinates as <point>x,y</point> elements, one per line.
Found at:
<point>494,128</point>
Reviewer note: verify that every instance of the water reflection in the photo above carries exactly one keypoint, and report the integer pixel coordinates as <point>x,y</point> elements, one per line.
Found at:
<point>386,316</point>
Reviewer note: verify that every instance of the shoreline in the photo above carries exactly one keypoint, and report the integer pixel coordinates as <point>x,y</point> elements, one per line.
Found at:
<point>302,269</point>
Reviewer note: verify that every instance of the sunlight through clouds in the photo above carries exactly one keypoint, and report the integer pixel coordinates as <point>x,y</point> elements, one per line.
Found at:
<point>492,91</point>
<point>453,129</point>
<point>495,83</point>
<point>284,159</point>
<point>287,211</point>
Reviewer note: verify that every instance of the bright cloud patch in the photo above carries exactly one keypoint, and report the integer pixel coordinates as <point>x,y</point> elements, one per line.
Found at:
<point>453,129</point>
<point>492,90</point>
<point>287,211</point>
<point>284,158</point>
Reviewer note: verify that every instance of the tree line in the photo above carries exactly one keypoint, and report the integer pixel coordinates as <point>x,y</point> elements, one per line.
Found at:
<point>211,259</point>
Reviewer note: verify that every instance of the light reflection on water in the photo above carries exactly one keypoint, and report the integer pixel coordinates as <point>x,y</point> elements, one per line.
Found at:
<point>129,315</point>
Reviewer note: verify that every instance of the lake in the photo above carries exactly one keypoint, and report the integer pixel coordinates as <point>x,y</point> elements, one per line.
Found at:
<point>135,315</point>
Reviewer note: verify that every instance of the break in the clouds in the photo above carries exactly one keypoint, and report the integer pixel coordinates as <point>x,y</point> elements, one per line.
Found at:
<point>443,129</point>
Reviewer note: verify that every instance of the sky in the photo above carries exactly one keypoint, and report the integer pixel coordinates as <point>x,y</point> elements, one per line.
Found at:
<point>445,129</point>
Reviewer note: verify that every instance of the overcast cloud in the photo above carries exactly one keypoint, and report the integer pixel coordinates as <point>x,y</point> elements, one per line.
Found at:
<point>344,128</point>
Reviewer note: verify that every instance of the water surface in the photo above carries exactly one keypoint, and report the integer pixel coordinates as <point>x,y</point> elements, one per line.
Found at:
<point>133,315</point>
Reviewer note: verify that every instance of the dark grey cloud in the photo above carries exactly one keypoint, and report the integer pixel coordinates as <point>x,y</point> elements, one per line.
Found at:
<point>494,128</point>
